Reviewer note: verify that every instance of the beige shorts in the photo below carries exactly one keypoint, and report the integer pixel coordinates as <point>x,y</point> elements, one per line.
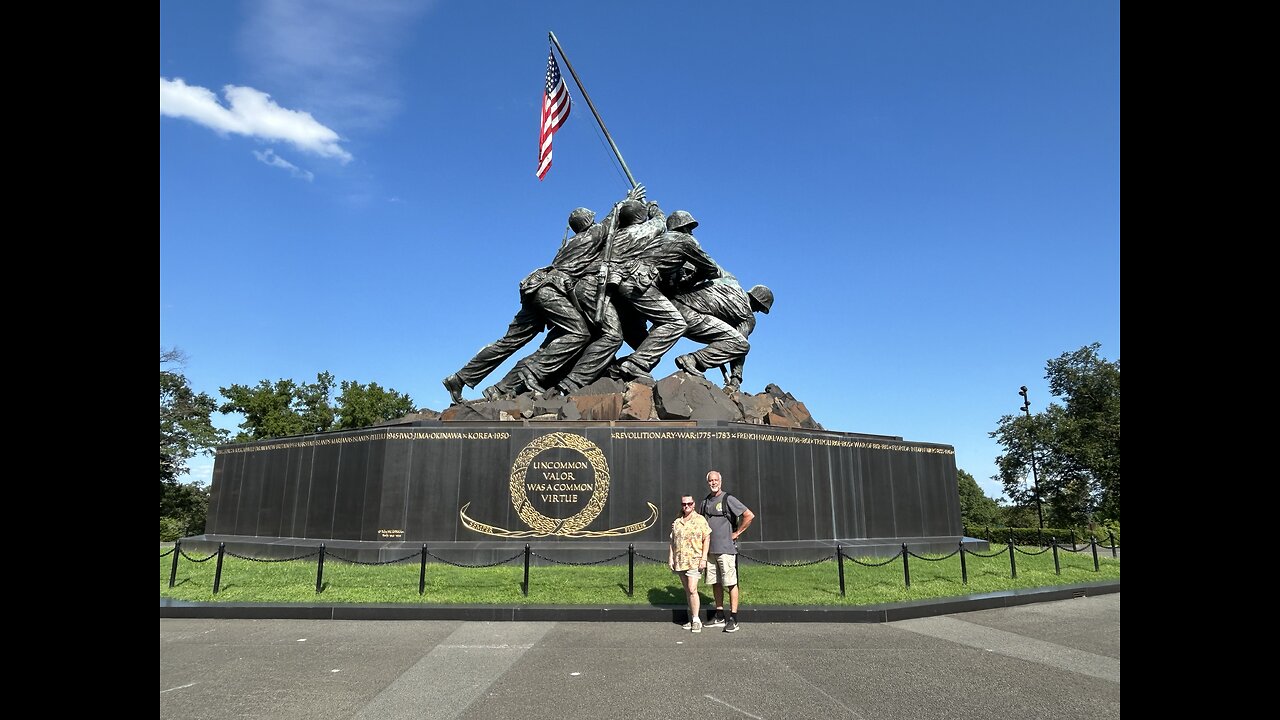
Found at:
<point>691,572</point>
<point>722,570</point>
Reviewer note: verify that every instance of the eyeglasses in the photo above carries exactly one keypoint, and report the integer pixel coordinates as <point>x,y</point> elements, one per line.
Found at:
<point>685,504</point>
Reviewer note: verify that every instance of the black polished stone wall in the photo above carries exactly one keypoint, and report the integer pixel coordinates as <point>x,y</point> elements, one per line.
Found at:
<point>412,482</point>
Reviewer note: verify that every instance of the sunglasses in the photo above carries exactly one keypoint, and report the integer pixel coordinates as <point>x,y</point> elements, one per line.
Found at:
<point>686,504</point>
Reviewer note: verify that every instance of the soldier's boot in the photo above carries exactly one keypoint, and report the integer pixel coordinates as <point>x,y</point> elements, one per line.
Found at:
<point>454,385</point>
<point>689,364</point>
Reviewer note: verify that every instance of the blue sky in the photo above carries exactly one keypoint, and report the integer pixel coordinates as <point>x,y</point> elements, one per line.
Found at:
<point>932,190</point>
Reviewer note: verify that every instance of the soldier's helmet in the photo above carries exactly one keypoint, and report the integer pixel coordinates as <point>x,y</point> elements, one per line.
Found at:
<point>632,212</point>
<point>682,221</point>
<point>763,297</point>
<point>581,219</point>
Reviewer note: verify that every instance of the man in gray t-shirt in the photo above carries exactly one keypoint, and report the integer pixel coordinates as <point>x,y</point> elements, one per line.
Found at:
<point>722,562</point>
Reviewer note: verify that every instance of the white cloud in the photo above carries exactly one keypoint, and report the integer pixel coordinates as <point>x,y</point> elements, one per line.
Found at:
<point>336,55</point>
<point>269,157</point>
<point>249,112</point>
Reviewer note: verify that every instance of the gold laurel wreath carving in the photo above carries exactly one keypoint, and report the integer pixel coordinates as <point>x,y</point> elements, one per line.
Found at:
<point>551,526</point>
<point>633,528</point>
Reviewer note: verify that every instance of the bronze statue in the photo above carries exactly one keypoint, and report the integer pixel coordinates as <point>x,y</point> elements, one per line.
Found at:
<point>607,283</point>
<point>721,315</point>
<point>545,301</point>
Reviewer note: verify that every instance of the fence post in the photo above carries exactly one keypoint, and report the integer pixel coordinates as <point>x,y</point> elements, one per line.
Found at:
<point>422,572</point>
<point>1057,569</point>
<point>906,570</point>
<point>1093,543</point>
<point>1073,539</point>
<point>1013,564</point>
<point>631,569</point>
<point>1039,537</point>
<point>320,570</point>
<point>217,575</point>
<point>964,567</point>
<point>1110,537</point>
<point>526,570</point>
<point>840,564</point>
<point>173,569</point>
<point>988,535</point>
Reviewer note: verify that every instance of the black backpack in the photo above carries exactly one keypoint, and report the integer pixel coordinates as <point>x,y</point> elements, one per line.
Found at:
<point>727,513</point>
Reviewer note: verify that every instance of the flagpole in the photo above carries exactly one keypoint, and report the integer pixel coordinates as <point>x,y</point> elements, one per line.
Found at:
<point>612,144</point>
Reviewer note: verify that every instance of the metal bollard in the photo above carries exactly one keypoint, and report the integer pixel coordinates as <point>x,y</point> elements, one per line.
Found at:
<point>840,564</point>
<point>631,569</point>
<point>1112,538</point>
<point>1073,539</point>
<point>906,570</point>
<point>1093,543</point>
<point>964,567</point>
<point>422,572</point>
<point>1013,564</point>
<point>217,575</point>
<point>1057,568</point>
<point>173,569</point>
<point>320,570</point>
<point>526,570</point>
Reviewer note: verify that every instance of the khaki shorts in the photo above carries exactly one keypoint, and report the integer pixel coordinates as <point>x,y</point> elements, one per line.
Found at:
<point>691,572</point>
<point>722,570</point>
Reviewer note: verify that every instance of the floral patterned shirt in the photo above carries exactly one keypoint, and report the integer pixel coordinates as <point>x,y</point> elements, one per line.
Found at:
<point>687,536</point>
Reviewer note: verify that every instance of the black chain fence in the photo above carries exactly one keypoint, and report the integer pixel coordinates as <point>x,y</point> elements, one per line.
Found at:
<point>839,557</point>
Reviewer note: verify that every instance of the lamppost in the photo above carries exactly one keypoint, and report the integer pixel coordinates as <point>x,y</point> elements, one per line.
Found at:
<point>1035,480</point>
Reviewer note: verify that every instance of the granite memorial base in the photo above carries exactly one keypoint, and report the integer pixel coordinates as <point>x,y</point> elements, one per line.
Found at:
<point>576,491</point>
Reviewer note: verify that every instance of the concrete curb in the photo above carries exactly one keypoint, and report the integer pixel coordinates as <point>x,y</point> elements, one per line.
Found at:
<point>628,613</point>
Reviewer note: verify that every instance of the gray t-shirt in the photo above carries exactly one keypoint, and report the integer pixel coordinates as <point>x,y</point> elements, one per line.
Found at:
<point>715,511</point>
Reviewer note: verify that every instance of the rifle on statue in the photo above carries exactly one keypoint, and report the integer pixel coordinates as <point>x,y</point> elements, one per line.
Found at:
<point>606,258</point>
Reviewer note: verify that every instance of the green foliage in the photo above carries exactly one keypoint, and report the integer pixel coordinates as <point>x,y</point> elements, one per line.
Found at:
<point>1034,536</point>
<point>1018,516</point>
<point>186,429</point>
<point>1072,451</point>
<point>281,408</point>
<point>285,407</point>
<point>170,528</point>
<point>975,507</point>
<point>185,506</point>
<point>365,405</point>
<point>185,425</point>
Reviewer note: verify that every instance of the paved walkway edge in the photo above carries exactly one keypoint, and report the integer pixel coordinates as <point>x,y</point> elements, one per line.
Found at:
<point>629,613</point>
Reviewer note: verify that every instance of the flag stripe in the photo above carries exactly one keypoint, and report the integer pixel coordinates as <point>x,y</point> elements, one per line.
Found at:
<point>555,110</point>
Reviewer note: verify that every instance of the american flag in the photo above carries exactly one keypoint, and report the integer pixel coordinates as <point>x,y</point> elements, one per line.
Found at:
<point>555,110</point>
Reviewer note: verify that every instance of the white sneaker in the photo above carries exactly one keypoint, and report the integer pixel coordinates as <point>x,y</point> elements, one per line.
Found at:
<point>697,626</point>
<point>687,626</point>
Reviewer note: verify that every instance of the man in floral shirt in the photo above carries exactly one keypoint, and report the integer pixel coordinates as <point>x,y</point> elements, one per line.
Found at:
<point>687,555</point>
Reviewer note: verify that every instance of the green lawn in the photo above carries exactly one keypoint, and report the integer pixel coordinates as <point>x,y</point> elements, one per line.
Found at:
<point>295,581</point>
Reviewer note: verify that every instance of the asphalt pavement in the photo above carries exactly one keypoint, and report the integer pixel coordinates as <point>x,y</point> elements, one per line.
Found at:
<point>1058,659</point>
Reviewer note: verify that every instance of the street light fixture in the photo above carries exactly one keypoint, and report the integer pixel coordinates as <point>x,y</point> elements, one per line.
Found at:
<point>1035,480</point>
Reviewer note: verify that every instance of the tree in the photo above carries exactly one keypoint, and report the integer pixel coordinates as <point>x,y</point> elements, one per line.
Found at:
<point>183,507</point>
<point>1076,445</point>
<point>975,507</point>
<point>281,408</point>
<point>186,430</point>
<point>364,405</point>
<point>285,407</point>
